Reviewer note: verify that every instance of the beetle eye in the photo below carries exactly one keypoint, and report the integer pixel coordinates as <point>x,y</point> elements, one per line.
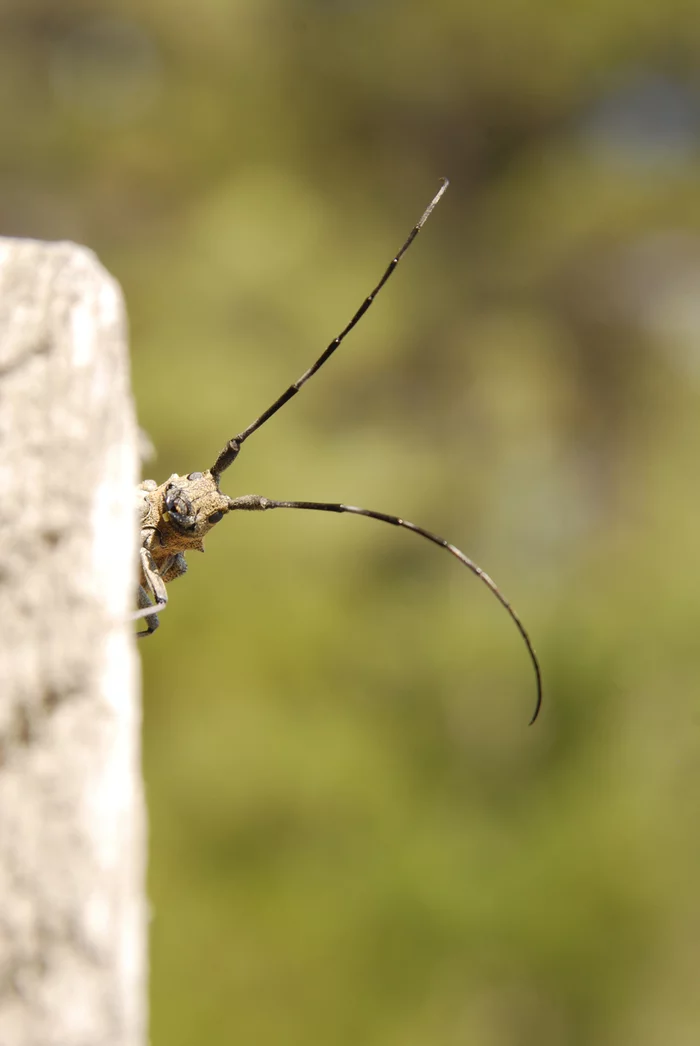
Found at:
<point>215,517</point>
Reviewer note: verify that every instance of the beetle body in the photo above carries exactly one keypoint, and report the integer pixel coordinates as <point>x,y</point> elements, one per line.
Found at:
<point>174,519</point>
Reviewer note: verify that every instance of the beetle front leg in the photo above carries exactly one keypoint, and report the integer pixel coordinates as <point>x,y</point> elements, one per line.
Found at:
<point>152,620</point>
<point>156,584</point>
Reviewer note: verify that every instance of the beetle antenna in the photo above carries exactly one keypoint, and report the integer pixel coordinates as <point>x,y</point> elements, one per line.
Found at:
<point>253,502</point>
<point>230,451</point>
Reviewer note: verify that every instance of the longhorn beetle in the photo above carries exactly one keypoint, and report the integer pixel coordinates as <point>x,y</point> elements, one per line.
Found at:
<point>176,515</point>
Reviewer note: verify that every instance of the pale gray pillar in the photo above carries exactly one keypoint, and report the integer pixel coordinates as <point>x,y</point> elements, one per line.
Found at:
<point>72,908</point>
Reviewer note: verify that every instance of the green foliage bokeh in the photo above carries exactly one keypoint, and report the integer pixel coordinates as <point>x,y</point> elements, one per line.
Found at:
<point>354,839</point>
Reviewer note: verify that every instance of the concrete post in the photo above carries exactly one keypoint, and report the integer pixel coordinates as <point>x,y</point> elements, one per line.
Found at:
<point>72,908</point>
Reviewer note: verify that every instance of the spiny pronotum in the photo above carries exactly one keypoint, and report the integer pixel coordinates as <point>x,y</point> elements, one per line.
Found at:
<point>176,515</point>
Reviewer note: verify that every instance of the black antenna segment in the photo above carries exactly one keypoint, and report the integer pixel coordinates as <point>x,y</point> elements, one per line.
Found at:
<point>254,502</point>
<point>230,451</point>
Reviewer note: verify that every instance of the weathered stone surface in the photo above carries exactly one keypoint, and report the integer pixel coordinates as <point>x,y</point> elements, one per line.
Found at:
<point>72,910</point>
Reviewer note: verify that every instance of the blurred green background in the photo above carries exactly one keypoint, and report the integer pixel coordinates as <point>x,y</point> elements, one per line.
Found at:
<point>355,839</point>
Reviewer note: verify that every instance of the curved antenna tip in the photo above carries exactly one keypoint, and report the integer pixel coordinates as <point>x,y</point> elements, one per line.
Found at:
<point>538,702</point>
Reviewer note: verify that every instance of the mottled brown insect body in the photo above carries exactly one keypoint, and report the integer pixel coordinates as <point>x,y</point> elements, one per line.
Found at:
<point>174,519</point>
